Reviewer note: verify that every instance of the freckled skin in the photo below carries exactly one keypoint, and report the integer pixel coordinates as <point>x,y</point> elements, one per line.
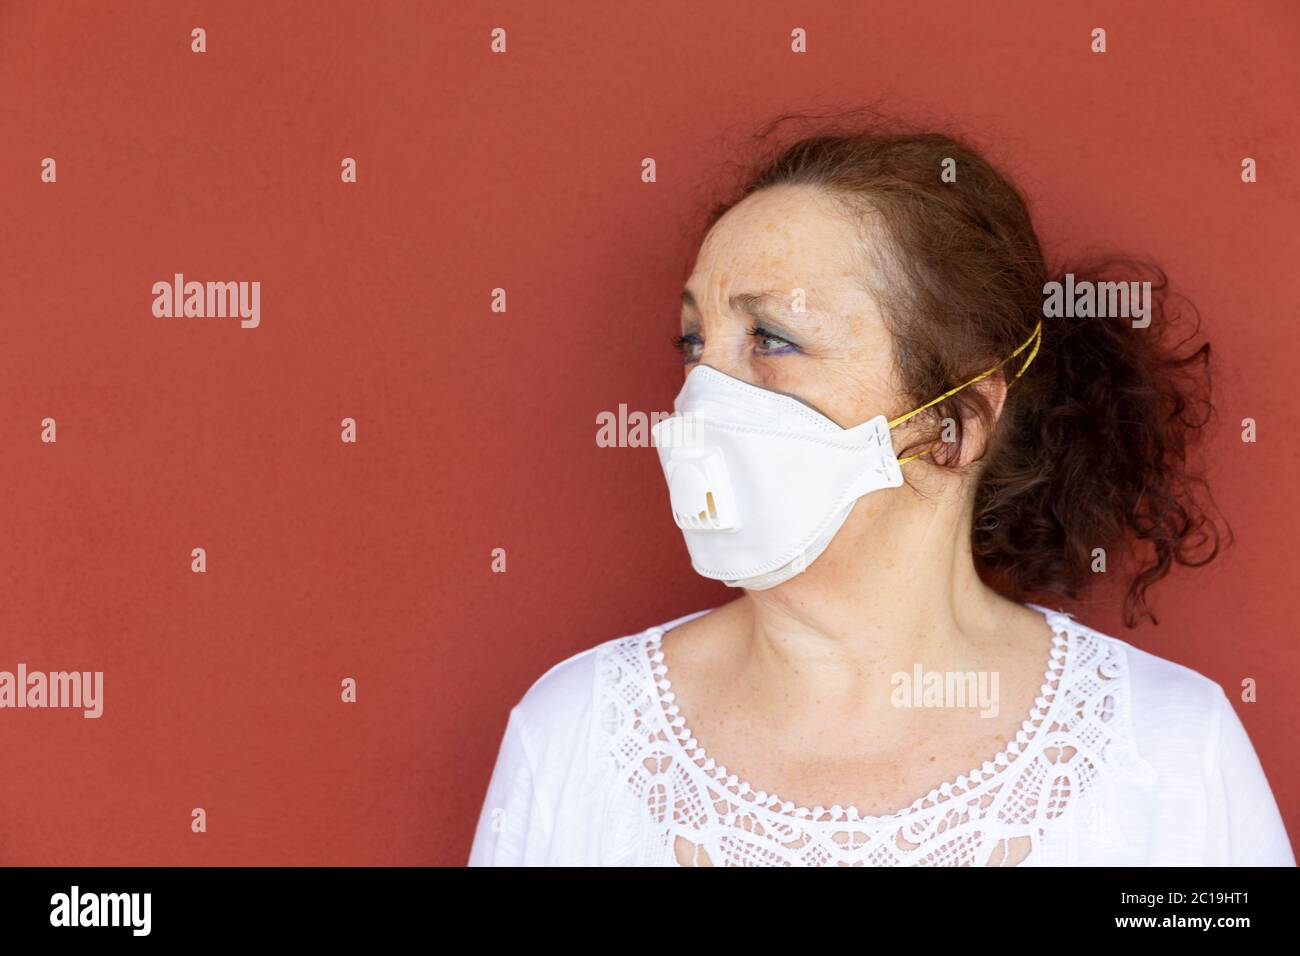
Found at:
<point>789,687</point>
<point>846,365</point>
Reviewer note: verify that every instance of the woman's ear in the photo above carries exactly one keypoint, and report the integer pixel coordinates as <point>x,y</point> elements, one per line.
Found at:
<point>995,393</point>
<point>976,430</point>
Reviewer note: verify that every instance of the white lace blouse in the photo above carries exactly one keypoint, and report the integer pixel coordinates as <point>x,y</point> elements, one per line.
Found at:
<point>1126,759</point>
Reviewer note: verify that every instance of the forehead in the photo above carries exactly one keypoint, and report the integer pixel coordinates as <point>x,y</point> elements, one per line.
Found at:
<point>780,238</point>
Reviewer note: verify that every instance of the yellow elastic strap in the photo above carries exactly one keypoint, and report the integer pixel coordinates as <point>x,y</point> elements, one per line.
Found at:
<point>1035,339</point>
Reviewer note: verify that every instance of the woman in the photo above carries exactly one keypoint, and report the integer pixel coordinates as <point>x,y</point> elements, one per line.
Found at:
<point>884,410</point>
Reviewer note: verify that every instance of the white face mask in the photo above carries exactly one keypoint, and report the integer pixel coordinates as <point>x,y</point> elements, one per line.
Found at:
<point>760,482</point>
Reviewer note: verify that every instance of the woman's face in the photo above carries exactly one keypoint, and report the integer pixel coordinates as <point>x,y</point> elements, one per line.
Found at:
<point>741,310</point>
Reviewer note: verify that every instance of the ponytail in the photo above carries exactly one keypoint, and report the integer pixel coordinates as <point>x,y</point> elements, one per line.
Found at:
<point>1096,469</point>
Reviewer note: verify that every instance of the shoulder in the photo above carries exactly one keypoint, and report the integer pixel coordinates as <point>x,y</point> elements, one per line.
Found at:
<point>556,706</point>
<point>1174,713</point>
<point>558,709</point>
<point>570,685</point>
<point>1157,722</point>
<point>1162,687</point>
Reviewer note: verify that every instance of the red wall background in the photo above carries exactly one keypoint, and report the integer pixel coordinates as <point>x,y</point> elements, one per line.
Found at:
<point>477,429</point>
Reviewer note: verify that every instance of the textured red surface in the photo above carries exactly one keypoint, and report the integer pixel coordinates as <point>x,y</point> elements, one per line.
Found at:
<point>476,429</point>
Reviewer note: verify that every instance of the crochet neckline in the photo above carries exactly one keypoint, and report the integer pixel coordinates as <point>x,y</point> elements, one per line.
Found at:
<point>1031,729</point>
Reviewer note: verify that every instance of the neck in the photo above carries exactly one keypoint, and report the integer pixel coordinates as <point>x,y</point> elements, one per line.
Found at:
<point>896,587</point>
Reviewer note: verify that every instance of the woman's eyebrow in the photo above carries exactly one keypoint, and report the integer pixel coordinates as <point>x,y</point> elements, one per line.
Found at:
<point>756,304</point>
<point>769,308</point>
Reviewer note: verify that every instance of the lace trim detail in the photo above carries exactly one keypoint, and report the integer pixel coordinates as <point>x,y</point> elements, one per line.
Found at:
<point>1001,813</point>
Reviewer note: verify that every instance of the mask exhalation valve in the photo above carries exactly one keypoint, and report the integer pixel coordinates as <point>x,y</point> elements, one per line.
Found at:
<point>700,490</point>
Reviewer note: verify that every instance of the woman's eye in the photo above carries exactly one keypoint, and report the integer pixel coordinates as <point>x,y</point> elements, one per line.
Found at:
<point>689,346</point>
<point>766,343</point>
<point>769,343</point>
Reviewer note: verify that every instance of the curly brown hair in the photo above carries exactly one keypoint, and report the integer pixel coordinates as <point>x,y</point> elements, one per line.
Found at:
<point>1091,449</point>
